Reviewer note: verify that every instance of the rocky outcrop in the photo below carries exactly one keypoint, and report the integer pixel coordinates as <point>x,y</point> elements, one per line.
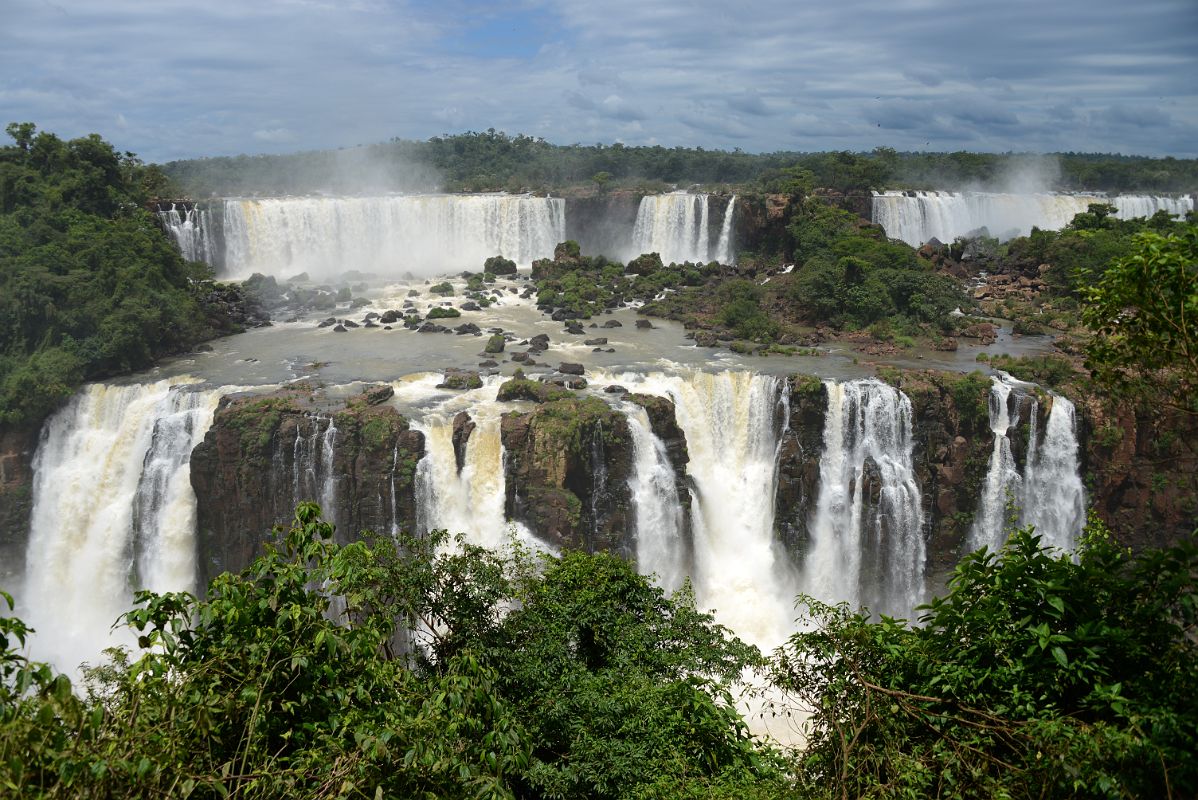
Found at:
<point>799,455</point>
<point>664,423</point>
<point>602,223</point>
<point>17,446</point>
<point>567,467</point>
<point>266,453</point>
<point>1141,470</point>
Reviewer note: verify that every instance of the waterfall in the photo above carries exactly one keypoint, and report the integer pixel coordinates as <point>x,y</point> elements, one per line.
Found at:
<point>1002,476</point>
<point>390,236</point>
<point>1054,499</point>
<point>723,248</point>
<point>1049,494</point>
<point>867,530</point>
<point>113,511</point>
<point>660,544</point>
<point>916,217</point>
<point>733,423</point>
<point>191,229</point>
<point>675,226</point>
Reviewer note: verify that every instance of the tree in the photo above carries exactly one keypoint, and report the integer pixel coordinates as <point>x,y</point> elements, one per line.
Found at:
<point>1144,313</point>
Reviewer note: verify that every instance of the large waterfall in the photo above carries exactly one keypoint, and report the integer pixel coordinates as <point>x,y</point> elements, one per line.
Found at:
<point>867,543</point>
<point>677,227</point>
<point>916,217</point>
<point>389,236</point>
<point>1049,494</point>
<point>113,510</point>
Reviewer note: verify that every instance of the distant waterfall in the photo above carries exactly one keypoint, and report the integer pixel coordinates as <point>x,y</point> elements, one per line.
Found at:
<point>389,236</point>
<point>867,530</point>
<point>916,217</point>
<point>191,229</point>
<point>1002,476</point>
<point>1049,494</point>
<point>675,226</point>
<point>723,248</point>
<point>660,538</point>
<point>113,511</point>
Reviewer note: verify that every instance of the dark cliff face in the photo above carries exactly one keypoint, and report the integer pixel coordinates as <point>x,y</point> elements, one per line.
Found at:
<point>663,420</point>
<point>567,466</point>
<point>17,446</point>
<point>602,224</point>
<point>798,463</point>
<point>1141,471</point>
<point>266,453</point>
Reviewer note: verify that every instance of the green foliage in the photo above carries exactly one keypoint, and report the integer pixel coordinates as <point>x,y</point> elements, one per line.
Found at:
<point>443,312</point>
<point>1143,312</point>
<point>1050,371</point>
<point>1034,676</point>
<point>90,286</point>
<point>444,288</point>
<point>442,670</point>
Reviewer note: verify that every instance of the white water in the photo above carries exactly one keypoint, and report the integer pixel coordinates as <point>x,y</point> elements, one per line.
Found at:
<point>1054,499</point>
<point>192,231</point>
<point>113,511</point>
<point>865,552</point>
<point>947,215</point>
<point>733,423</point>
<point>723,248</point>
<point>1003,481</point>
<point>660,543</point>
<point>390,236</point>
<point>675,226</point>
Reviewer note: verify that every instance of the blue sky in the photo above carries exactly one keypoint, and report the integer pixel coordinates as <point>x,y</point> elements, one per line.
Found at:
<point>170,79</point>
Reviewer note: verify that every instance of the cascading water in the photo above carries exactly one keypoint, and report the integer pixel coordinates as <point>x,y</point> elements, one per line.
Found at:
<point>723,248</point>
<point>867,530</point>
<point>673,225</point>
<point>917,217</point>
<point>1054,499</point>
<point>1049,494</point>
<point>733,422</point>
<point>113,510</point>
<point>389,236</point>
<point>1003,482</point>
<point>660,539</point>
<point>469,501</point>
<point>191,229</point>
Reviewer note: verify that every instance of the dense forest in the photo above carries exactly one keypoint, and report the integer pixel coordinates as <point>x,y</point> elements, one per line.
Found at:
<point>495,161</point>
<point>89,284</point>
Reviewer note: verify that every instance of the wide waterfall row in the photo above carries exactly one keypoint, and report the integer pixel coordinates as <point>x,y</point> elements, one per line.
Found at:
<point>917,217</point>
<point>1049,492</point>
<point>114,508</point>
<point>677,227</point>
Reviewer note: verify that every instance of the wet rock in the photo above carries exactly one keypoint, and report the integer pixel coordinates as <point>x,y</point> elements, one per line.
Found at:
<point>569,368</point>
<point>706,339</point>
<point>463,426</point>
<point>470,305</point>
<point>566,381</point>
<point>371,315</point>
<point>204,348</point>
<point>575,329</point>
<point>339,329</point>
<point>596,342</point>
<point>467,327</point>
<point>540,341</point>
<point>615,388</point>
<point>324,323</point>
<point>644,324</point>
<point>349,323</point>
<point>432,327</point>
<point>495,344</point>
<point>519,357</point>
<point>460,379</point>
<point>613,323</point>
<point>390,317</point>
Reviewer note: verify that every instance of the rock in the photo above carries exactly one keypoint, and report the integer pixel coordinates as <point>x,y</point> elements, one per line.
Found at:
<point>575,329</point>
<point>339,329</point>
<point>467,327</point>
<point>390,317</point>
<point>470,305</point>
<point>495,344</point>
<point>568,368</point>
<point>358,302</point>
<point>370,324</point>
<point>460,379</point>
<point>349,323</point>
<point>413,292</point>
<point>596,342</point>
<point>643,324</point>
<point>498,265</point>
<point>615,388</point>
<point>204,348</point>
<point>488,364</point>
<point>520,388</point>
<point>540,341</point>
<point>324,323</point>
<point>613,323</point>
<point>463,426</point>
<point>645,264</point>
<point>986,332</point>
<point>706,339</point>
<point>566,381</point>
<point>519,357</point>
<point>432,327</point>
<point>371,315</point>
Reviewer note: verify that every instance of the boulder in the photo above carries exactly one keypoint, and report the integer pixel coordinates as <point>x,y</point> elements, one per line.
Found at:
<point>495,344</point>
<point>568,368</point>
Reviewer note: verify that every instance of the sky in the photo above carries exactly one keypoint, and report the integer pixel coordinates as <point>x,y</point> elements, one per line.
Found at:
<point>170,80</point>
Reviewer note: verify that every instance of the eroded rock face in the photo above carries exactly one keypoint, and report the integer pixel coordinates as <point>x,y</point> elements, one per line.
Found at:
<point>17,446</point>
<point>567,469</point>
<point>798,463</point>
<point>266,453</point>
